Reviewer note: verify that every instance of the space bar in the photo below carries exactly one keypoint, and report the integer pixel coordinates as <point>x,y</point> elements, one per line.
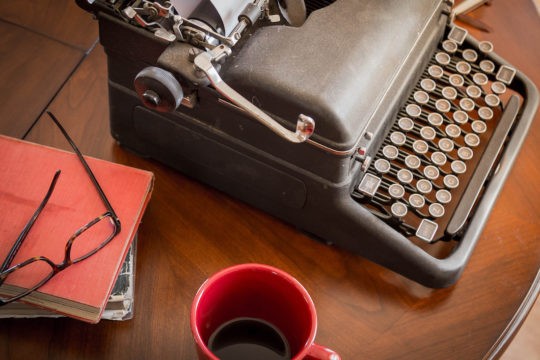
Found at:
<point>484,167</point>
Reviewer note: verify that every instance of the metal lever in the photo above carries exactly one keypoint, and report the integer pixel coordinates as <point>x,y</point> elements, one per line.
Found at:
<point>204,62</point>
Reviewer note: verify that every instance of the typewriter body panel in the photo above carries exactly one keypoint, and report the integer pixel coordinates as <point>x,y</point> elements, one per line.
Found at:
<point>353,68</point>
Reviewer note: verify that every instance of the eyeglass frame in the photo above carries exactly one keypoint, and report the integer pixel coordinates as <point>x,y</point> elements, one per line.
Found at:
<point>56,268</point>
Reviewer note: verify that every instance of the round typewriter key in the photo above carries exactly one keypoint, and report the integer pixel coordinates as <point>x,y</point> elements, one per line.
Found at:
<point>398,138</point>
<point>456,80</point>
<point>453,130</point>
<point>480,79</point>
<point>435,119</point>
<point>470,55</point>
<point>449,93</point>
<point>420,147</point>
<point>427,133</point>
<point>421,97</point>
<point>442,105</point>
<point>442,58</point>
<point>451,181</point>
<point>463,67</point>
<point>458,166</point>
<point>405,124</point>
<point>487,66</point>
<point>396,191</point>
<point>413,110</point>
<point>405,176</point>
<point>485,113</point>
<point>382,166</point>
<point>431,172</point>
<point>412,161</point>
<point>435,71</point>
<point>436,210</point>
<point>465,153</point>
<point>417,201</point>
<point>472,140</point>
<point>438,158</point>
<point>398,209</point>
<point>498,87</point>
<point>449,46</point>
<point>466,104</point>
<point>474,91</point>
<point>446,145</point>
<point>443,196</point>
<point>428,85</point>
<point>390,152</point>
<point>479,126</point>
<point>492,100</point>
<point>460,117</point>
<point>485,46</point>
<point>424,186</point>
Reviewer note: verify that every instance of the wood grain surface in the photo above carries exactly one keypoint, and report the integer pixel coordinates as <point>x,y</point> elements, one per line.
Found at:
<point>191,231</point>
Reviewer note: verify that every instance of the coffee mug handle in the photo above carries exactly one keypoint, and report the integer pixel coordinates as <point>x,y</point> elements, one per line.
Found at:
<point>318,352</point>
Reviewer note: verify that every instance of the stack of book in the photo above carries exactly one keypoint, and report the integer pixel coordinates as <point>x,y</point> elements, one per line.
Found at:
<point>100,287</point>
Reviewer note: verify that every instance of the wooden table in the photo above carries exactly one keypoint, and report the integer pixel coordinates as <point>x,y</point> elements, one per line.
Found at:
<point>48,61</point>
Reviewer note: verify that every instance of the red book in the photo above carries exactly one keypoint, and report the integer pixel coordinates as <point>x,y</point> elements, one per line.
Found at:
<point>26,170</point>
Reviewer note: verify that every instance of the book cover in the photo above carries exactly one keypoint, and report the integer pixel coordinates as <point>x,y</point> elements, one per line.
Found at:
<point>83,289</point>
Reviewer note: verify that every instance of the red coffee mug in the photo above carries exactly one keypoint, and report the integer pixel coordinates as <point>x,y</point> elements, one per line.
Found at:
<point>259,292</point>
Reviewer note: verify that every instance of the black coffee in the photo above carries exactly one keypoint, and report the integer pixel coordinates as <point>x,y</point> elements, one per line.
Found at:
<point>249,339</point>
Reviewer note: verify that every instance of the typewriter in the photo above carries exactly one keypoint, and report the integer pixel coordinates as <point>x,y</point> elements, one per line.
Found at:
<point>377,125</point>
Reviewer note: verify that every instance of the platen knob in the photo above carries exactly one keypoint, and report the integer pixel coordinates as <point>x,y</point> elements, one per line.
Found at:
<point>158,89</point>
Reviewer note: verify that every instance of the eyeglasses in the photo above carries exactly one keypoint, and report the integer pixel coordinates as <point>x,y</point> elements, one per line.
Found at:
<point>85,242</point>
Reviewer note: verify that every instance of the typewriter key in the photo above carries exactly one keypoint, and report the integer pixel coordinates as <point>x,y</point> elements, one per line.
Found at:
<point>435,71</point>
<point>424,186</point>
<point>453,130</point>
<point>438,158</point>
<point>421,97</point>
<point>399,209</point>
<point>485,113</point>
<point>465,153</point>
<point>449,46</point>
<point>428,85</point>
<point>398,138</point>
<point>412,161</point>
<point>498,87</point>
<point>420,147</point>
<point>435,119</point>
<point>446,145</point>
<point>472,140</point>
<point>492,100</point>
<point>479,126</point>
<point>405,176</point>
<point>458,166</point>
<point>487,66</point>
<point>431,172</point>
<point>405,124</point>
<point>463,67</point>
<point>470,55</point>
<point>443,196</point>
<point>480,79</point>
<point>369,184</point>
<point>474,91</point>
<point>460,117</point>
<point>413,110</point>
<point>417,201</point>
<point>390,152</point>
<point>427,133</point>
<point>485,46</point>
<point>442,58</point>
<point>456,80</point>
<point>426,230</point>
<point>449,93</point>
<point>466,104</point>
<point>451,181</point>
<point>506,74</point>
<point>396,191</point>
<point>382,166</point>
<point>442,105</point>
<point>436,210</point>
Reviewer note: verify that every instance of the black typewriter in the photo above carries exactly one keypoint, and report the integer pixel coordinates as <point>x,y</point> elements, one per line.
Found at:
<point>376,125</point>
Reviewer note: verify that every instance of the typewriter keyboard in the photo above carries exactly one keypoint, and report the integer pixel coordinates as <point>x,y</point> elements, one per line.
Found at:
<point>430,169</point>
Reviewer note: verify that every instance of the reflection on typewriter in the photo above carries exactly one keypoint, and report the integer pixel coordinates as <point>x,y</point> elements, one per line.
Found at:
<point>375,125</point>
